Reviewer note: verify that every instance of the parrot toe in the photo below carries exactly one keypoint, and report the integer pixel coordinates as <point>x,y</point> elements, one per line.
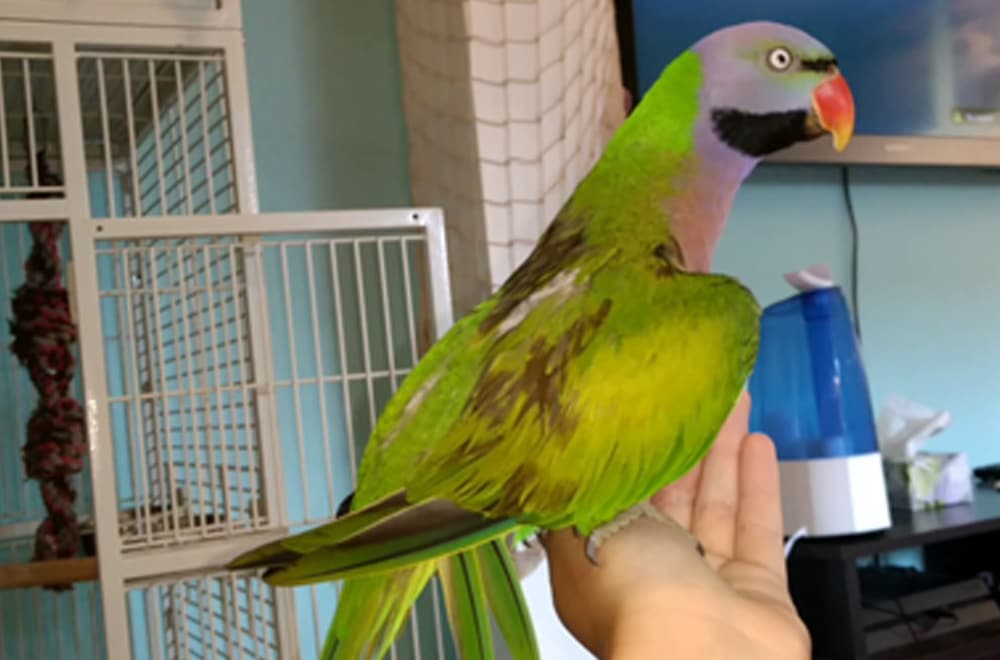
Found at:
<point>647,509</point>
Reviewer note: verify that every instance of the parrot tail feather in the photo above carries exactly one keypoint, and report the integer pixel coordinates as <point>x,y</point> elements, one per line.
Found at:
<point>503,591</point>
<point>387,552</point>
<point>371,611</point>
<point>476,583</point>
<point>426,532</point>
<point>465,601</point>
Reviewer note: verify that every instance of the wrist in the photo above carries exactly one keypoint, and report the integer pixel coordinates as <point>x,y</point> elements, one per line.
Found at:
<point>683,624</point>
<point>640,633</point>
<point>655,618</point>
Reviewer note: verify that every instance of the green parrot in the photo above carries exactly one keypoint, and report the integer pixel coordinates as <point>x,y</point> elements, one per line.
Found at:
<point>600,371</point>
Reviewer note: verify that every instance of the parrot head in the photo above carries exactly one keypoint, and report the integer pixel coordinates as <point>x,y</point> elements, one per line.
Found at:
<point>768,86</point>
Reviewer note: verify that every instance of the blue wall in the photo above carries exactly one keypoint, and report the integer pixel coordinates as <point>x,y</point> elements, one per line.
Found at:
<point>325,99</point>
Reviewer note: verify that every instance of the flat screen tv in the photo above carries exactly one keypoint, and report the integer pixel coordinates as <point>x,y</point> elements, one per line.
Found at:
<point>925,73</point>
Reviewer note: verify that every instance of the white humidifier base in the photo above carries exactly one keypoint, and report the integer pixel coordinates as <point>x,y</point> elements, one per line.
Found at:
<point>834,496</point>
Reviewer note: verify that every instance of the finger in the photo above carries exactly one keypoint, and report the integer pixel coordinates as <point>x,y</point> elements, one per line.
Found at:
<point>677,499</point>
<point>758,520</point>
<point>570,577</point>
<point>716,500</point>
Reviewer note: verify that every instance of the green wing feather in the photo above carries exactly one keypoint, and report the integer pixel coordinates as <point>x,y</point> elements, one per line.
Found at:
<point>595,400</point>
<point>288,549</point>
<point>380,537</point>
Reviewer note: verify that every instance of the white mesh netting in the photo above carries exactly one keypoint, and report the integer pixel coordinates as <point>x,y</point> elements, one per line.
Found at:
<point>508,104</point>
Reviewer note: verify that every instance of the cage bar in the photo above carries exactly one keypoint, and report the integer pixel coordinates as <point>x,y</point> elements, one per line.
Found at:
<point>314,319</point>
<point>214,615</point>
<point>29,121</point>
<point>133,162</point>
<point>102,94</point>
<point>342,353</point>
<point>182,123</point>
<point>163,122</point>
<point>28,124</point>
<point>205,140</point>
<point>157,135</point>
<point>4,143</point>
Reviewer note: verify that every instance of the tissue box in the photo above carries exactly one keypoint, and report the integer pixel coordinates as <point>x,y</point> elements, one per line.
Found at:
<point>929,480</point>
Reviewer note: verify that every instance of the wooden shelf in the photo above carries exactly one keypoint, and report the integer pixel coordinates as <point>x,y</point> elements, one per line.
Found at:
<point>48,573</point>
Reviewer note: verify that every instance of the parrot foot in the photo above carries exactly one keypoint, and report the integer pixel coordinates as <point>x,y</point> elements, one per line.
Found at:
<point>647,509</point>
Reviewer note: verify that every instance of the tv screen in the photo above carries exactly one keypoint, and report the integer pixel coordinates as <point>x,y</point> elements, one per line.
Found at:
<point>925,73</point>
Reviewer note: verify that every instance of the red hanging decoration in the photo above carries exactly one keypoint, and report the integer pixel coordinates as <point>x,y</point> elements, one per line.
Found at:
<point>43,338</point>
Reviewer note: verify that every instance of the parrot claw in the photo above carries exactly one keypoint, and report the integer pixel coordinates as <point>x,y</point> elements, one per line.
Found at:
<point>606,531</point>
<point>535,541</point>
<point>592,546</point>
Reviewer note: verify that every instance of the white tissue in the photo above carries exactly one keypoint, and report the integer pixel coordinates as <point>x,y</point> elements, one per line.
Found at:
<point>904,426</point>
<point>919,479</point>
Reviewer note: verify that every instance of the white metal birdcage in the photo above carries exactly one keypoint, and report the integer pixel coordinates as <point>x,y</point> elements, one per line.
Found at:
<point>238,404</point>
<point>232,363</point>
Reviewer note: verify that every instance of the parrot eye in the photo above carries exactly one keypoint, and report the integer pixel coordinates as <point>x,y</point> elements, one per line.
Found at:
<point>779,58</point>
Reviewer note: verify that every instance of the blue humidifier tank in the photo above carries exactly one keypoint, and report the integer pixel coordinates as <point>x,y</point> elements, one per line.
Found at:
<point>810,395</point>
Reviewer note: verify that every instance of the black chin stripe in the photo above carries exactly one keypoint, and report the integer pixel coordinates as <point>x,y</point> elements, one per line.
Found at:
<point>821,64</point>
<point>758,135</point>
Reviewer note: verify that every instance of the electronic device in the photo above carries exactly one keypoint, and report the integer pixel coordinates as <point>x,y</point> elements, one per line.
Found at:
<point>810,396</point>
<point>903,606</point>
<point>924,73</point>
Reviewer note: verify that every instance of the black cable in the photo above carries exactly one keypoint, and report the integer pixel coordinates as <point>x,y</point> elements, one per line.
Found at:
<point>845,180</point>
<point>625,24</point>
<point>898,616</point>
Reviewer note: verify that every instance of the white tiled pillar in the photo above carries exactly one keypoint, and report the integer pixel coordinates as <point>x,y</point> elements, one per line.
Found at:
<point>508,104</point>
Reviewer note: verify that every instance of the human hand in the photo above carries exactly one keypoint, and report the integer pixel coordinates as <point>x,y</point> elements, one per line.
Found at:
<point>652,595</point>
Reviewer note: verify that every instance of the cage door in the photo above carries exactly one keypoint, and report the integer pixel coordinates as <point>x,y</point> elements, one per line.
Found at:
<point>183,336</point>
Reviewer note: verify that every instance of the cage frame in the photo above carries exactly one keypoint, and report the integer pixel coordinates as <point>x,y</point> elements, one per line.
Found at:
<point>226,14</point>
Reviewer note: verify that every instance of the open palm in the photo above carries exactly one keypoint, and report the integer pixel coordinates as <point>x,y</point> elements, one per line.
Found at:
<point>653,591</point>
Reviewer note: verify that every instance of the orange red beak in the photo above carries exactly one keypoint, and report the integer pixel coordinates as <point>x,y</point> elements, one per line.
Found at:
<point>833,104</point>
